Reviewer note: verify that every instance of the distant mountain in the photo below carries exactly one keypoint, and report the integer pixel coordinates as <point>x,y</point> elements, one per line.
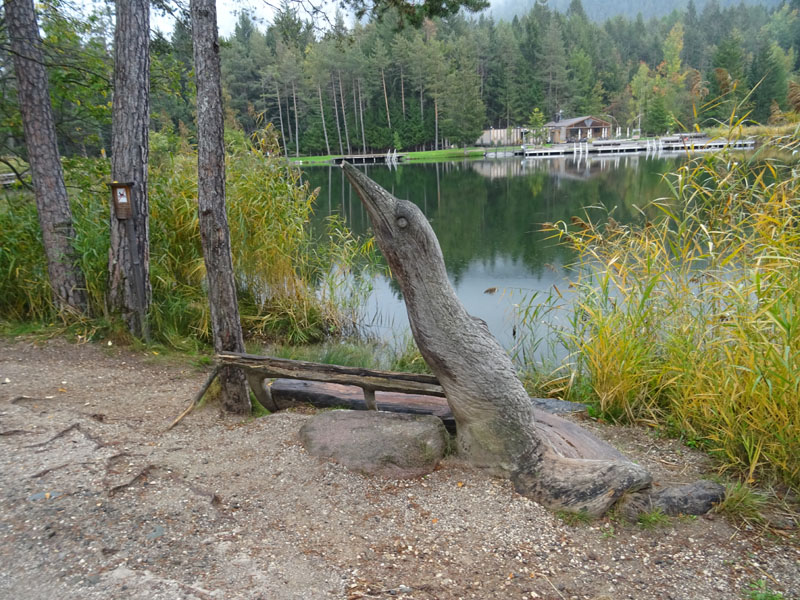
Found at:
<point>600,10</point>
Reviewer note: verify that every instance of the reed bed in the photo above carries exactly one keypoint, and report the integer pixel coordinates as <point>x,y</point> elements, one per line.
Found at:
<point>690,320</point>
<point>291,286</point>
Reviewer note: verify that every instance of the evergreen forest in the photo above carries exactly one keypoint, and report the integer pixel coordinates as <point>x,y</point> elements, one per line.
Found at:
<point>331,88</point>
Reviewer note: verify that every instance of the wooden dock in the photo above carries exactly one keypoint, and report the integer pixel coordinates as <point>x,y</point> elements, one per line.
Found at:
<point>654,147</point>
<point>369,159</point>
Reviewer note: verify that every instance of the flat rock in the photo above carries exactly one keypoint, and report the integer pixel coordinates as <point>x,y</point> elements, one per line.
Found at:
<point>377,443</point>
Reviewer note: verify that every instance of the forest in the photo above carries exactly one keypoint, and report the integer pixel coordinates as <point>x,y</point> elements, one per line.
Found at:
<point>335,89</point>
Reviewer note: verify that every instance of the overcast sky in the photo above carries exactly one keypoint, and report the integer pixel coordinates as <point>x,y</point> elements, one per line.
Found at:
<point>228,13</point>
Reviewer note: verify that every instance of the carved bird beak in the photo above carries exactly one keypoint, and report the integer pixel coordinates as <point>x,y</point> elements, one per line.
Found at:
<point>378,202</point>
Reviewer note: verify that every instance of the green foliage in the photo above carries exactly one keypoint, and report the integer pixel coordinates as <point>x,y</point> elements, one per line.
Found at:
<point>758,590</point>
<point>289,285</point>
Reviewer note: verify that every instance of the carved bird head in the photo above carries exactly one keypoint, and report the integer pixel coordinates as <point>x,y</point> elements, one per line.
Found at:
<point>403,233</point>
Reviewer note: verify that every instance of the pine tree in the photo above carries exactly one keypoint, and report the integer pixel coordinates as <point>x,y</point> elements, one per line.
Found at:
<point>553,72</point>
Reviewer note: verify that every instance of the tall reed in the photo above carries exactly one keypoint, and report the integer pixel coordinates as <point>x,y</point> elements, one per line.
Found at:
<point>691,319</point>
<point>290,286</point>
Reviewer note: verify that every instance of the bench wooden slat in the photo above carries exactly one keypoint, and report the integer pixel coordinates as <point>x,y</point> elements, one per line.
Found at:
<point>259,368</point>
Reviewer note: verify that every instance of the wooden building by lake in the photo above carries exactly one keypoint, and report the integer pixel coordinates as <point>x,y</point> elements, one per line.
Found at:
<point>578,129</point>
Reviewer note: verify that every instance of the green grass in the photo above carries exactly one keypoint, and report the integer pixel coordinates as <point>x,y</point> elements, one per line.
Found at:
<point>427,156</point>
<point>743,503</point>
<point>652,519</point>
<point>758,590</point>
<point>574,519</point>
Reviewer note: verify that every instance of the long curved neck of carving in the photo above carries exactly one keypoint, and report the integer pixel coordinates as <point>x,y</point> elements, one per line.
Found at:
<point>492,410</point>
<point>494,416</point>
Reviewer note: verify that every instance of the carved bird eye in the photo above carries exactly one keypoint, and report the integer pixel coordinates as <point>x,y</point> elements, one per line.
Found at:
<point>402,222</point>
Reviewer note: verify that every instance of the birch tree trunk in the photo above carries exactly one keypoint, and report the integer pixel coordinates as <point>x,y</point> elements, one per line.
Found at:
<point>336,113</point>
<point>361,114</point>
<point>296,129</point>
<point>386,100</point>
<point>356,106</point>
<point>214,232</point>
<point>280,116</point>
<point>344,114</point>
<point>402,92</point>
<point>129,263</point>
<point>436,123</point>
<point>52,203</point>
<point>322,115</point>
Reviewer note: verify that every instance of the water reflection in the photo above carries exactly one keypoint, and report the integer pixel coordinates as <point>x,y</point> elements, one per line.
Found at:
<point>488,214</point>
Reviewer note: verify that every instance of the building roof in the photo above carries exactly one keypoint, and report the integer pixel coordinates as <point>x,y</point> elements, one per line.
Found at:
<point>585,121</point>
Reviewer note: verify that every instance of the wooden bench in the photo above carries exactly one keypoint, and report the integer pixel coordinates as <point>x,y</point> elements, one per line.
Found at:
<point>260,368</point>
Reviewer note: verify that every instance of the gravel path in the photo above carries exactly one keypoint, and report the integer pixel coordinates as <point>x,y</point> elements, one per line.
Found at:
<point>98,501</point>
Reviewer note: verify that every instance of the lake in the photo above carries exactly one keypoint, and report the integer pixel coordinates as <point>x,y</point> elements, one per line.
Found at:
<point>487,215</point>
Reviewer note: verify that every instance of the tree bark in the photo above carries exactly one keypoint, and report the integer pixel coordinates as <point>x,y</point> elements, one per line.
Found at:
<point>402,92</point>
<point>322,115</point>
<point>214,232</point>
<point>280,116</point>
<point>356,106</point>
<point>361,116</point>
<point>386,100</point>
<point>436,123</point>
<point>129,263</point>
<point>296,127</point>
<point>52,204</point>
<point>344,114</point>
<point>336,114</point>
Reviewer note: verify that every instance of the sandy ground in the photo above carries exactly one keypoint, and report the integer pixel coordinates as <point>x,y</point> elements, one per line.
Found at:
<point>100,501</point>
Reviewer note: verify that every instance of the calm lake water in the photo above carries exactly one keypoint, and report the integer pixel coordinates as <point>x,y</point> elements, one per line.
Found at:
<point>487,216</point>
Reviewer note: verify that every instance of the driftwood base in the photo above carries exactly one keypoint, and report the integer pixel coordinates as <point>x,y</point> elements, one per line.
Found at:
<point>575,468</point>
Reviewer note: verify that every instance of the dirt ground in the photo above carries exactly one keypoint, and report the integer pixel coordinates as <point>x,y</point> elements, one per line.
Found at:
<point>100,501</point>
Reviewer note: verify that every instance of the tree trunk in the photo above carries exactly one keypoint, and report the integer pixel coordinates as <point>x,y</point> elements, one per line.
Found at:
<point>52,203</point>
<point>296,130</point>
<point>402,92</point>
<point>288,124</point>
<point>280,116</point>
<point>344,114</point>
<point>386,99</point>
<point>322,114</point>
<point>356,106</point>
<point>361,114</point>
<point>214,232</point>
<point>336,114</point>
<point>129,252</point>
<point>435,123</point>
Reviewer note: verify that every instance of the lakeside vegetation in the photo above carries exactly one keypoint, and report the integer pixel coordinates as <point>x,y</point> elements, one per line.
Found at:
<point>289,285</point>
<point>691,323</point>
<point>688,323</point>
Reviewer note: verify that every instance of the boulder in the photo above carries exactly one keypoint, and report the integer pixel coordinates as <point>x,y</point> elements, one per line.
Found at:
<point>377,443</point>
<point>695,498</point>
